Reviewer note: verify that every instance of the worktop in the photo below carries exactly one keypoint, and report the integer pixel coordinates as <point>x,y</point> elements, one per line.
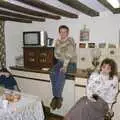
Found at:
<point>80,73</point>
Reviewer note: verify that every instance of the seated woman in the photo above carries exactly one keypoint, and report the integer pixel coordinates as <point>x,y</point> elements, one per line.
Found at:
<point>7,80</point>
<point>101,91</point>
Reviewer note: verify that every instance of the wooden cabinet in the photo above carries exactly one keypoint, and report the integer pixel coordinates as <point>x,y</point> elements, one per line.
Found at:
<point>38,57</point>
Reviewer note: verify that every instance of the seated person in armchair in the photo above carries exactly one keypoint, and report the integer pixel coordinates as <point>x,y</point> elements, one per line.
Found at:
<point>7,80</point>
<point>101,92</point>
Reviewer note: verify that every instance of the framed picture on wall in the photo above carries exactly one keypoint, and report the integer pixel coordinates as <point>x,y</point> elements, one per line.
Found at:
<point>111,45</point>
<point>84,34</point>
<point>102,45</point>
<point>82,45</point>
<point>91,45</point>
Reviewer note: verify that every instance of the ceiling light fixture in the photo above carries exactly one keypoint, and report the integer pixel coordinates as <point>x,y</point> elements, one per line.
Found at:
<point>114,3</point>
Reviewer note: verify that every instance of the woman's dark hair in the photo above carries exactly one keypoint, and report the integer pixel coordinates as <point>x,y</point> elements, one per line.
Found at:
<point>113,65</point>
<point>63,27</point>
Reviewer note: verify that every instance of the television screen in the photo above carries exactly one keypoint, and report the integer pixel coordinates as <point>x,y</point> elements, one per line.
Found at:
<point>31,38</point>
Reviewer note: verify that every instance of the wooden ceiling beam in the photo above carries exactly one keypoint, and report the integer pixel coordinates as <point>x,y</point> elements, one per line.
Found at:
<point>7,13</point>
<point>107,5</point>
<point>117,11</point>
<point>44,6</point>
<point>6,18</point>
<point>81,7</point>
<point>10,6</point>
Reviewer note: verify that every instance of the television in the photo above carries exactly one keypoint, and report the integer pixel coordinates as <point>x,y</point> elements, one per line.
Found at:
<point>31,38</point>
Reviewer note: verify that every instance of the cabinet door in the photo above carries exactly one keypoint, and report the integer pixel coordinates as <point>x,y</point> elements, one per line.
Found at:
<point>30,57</point>
<point>46,57</point>
<point>79,92</point>
<point>38,88</point>
<point>38,57</point>
<point>80,85</point>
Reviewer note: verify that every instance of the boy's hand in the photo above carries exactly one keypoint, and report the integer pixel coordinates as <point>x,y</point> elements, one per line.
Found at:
<point>63,69</point>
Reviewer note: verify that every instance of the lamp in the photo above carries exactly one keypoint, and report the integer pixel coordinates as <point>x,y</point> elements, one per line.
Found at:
<point>114,3</point>
<point>95,53</point>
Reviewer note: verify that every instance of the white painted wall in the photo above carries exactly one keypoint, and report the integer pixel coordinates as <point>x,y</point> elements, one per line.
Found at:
<point>13,40</point>
<point>102,29</point>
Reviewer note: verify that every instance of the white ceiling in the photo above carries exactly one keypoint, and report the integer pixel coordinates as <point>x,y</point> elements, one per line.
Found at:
<point>94,4</point>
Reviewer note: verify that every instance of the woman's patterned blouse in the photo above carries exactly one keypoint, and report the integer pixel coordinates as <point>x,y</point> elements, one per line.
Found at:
<point>104,87</point>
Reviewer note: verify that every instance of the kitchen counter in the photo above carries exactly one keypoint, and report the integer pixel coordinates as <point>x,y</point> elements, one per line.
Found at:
<point>80,73</point>
<point>22,68</point>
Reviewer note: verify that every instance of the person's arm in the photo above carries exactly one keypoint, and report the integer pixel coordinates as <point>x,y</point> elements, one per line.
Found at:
<point>112,95</point>
<point>69,53</point>
<point>91,86</point>
<point>57,50</point>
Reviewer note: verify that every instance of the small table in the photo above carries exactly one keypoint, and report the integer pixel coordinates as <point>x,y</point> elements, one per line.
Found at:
<point>29,107</point>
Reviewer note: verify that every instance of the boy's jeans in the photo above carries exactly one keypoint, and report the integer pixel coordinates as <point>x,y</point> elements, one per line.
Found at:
<point>58,77</point>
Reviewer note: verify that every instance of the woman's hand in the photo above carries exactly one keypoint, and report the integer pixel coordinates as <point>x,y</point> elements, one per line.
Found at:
<point>92,99</point>
<point>110,112</point>
<point>95,96</point>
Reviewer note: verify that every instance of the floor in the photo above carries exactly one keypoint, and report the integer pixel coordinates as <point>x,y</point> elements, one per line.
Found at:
<point>54,117</point>
<point>50,116</point>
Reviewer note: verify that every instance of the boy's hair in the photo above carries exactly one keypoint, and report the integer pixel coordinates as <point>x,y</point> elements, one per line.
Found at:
<point>113,65</point>
<point>63,27</point>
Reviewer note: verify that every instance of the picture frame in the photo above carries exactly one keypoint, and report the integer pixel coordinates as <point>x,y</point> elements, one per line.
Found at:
<point>91,45</point>
<point>84,35</point>
<point>82,45</point>
<point>102,45</point>
<point>111,45</point>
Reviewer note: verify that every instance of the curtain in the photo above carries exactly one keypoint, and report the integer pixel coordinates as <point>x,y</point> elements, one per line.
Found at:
<point>2,45</point>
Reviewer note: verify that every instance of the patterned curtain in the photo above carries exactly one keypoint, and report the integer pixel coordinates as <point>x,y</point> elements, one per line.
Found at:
<point>2,45</point>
